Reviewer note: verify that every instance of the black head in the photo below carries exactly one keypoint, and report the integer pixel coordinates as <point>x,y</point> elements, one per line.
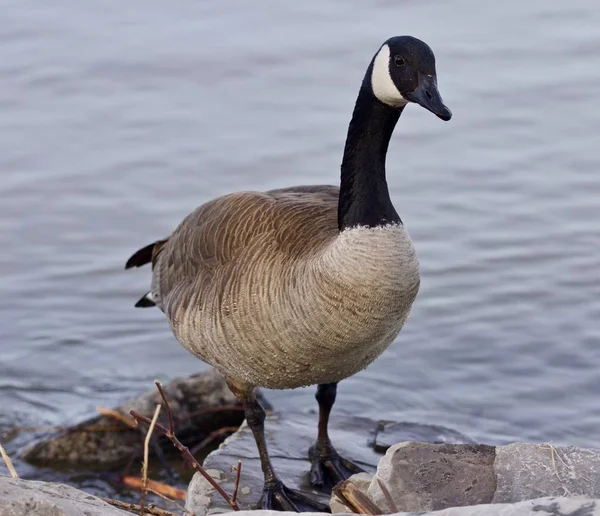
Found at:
<point>404,71</point>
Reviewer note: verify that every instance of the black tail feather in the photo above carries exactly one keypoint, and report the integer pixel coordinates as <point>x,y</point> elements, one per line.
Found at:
<point>146,301</point>
<point>145,254</point>
<point>141,257</point>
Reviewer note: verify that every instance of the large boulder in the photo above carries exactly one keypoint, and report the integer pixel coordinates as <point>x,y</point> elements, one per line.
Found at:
<point>32,498</point>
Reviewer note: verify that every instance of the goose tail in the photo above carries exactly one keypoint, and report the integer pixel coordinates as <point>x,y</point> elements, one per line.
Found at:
<point>145,254</point>
<point>146,301</point>
<point>141,257</point>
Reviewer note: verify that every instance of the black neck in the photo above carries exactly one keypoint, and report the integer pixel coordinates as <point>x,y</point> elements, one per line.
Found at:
<point>364,197</point>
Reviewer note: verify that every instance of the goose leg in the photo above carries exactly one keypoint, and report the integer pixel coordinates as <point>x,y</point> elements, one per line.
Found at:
<point>327,467</point>
<point>276,496</point>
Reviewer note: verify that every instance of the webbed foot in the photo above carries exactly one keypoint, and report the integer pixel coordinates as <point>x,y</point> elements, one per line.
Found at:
<point>329,468</point>
<point>278,497</point>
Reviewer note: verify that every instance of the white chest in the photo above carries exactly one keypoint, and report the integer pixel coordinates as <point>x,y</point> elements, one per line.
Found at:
<point>380,260</point>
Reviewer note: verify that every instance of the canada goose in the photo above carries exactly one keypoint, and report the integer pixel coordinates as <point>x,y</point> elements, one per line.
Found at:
<point>303,285</point>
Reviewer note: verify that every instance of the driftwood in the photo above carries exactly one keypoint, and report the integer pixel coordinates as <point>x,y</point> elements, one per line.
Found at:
<point>201,406</point>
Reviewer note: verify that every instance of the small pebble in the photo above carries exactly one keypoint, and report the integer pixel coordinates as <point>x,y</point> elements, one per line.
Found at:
<point>245,490</point>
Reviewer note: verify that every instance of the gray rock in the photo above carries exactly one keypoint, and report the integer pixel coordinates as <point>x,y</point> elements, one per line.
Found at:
<point>31,498</point>
<point>579,506</point>
<point>527,471</point>
<point>189,399</point>
<point>428,477</point>
<point>288,436</point>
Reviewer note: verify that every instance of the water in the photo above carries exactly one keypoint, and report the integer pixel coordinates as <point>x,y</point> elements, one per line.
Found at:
<point>118,119</point>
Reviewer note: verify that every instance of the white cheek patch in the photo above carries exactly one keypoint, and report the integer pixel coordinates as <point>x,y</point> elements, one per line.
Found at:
<point>381,81</point>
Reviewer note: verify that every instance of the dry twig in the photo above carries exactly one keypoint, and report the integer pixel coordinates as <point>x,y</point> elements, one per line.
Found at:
<point>135,508</point>
<point>154,486</point>
<point>553,455</point>
<point>236,486</point>
<point>220,408</point>
<point>387,495</point>
<point>167,499</point>
<point>185,451</point>
<point>115,414</point>
<point>146,455</point>
<point>9,464</point>
<point>212,437</point>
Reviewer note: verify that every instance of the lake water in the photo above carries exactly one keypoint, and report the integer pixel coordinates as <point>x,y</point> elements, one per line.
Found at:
<point>117,119</point>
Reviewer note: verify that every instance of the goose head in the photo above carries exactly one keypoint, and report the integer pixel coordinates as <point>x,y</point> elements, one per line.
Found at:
<point>403,71</point>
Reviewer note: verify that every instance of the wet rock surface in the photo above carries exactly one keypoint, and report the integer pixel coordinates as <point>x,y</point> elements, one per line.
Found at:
<point>289,436</point>
<point>32,498</point>
<point>201,404</point>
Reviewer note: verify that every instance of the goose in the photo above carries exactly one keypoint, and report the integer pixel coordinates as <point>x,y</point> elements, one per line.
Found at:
<point>303,285</point>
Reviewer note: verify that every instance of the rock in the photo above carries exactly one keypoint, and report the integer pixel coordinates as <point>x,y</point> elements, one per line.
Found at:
<point>191,400</point>
<point>553,506</point>
<point>533,470</point>
<point>288,436</point>
<point>200,491</point>
<point>427,477</point>
<point>32,498</point>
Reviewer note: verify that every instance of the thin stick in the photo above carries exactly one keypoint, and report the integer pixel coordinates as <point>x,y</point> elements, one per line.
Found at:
<point>185,451</point>
<point>238,472</point>
<point>167,407</point>
<point>212,436</point>
<point>146,455</point>
<point>387,495</point>
<point>220,408</point>
<point>153,485</point>
<point>135,508</point>
<point>115,414</point>
<point>9,464</point>
<point>167,499</point>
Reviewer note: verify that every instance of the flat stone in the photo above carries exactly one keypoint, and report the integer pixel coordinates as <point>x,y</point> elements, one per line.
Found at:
<point>552,506</point>
<point>533,470</point>
<point>191,400</point>
<point>33,498</point>
<point>288,437</point>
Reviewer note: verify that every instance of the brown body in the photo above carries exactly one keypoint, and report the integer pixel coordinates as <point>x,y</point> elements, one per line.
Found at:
<point>264,287</point>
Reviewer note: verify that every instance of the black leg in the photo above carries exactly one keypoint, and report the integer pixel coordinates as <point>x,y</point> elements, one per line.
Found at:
<point>327,467</point>
<point>276,496</point>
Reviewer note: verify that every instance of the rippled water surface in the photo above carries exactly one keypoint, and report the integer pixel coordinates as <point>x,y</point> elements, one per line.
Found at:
<point>117,119</point>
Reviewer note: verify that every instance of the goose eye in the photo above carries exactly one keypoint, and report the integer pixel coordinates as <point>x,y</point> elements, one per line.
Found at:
<point>398,61</point>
